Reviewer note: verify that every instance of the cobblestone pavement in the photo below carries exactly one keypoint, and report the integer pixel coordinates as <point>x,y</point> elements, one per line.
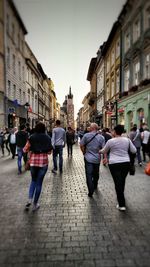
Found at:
<point>70,229</point>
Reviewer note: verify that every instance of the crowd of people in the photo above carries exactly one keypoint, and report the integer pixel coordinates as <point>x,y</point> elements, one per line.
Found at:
<point>97,145</point>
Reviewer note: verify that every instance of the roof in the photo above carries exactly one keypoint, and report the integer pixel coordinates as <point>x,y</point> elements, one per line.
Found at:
<point>11,3</point>
<point>91,68</point>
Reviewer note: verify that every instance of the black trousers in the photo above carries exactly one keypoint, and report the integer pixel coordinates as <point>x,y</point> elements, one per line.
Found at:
<point>119,172</point>
<point>69,148</point>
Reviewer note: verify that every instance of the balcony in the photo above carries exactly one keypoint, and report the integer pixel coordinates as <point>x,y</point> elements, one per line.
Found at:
<point>92,98</point>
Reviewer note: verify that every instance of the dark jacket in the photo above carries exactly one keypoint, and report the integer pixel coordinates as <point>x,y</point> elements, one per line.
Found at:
<point>40,143</point>
<point>21,138</point>
<point>70,137</point>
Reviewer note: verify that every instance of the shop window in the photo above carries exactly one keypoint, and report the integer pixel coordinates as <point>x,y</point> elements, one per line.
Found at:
<point>130,120</point>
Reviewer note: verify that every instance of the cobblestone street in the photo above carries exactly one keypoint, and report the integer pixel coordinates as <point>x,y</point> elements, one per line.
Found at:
<point>70,229</point>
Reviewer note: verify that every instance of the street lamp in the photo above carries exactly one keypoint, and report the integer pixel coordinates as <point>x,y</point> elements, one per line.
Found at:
<point>27,105</point>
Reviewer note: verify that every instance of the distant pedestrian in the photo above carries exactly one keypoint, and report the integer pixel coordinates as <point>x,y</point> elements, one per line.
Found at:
<point>21,139</point>
<point>135,137</point>
<point>38,146</point>
<point>58,143</point>
<point>90,145</point>
<point>119,162</point>
<point>2,142</point>
<point>70,140</point>
<point>145,135</point>
<point>6,139</point>
<point>12,142</point>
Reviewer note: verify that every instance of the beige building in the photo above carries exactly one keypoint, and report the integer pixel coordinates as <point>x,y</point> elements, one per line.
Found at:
<point>31,94</point>
<point>2,64</point>
<point>91,77</point>
<point>86,111</point>
<point>15,89</point>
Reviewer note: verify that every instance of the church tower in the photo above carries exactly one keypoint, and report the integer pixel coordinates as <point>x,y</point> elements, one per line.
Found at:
<point>70,109</point>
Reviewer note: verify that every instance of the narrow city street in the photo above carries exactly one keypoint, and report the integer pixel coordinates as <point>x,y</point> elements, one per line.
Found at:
<point>70,229</point>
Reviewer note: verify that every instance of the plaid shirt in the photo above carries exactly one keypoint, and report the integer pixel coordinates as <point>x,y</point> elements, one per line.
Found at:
<point>38,160</point>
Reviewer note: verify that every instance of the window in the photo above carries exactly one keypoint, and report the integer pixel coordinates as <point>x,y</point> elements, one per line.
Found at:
<point>147,67</point>
<point>7,25</point>
<point>13,31</point>
<point>107,66</point>
<point>20,96</point>
<point>112,87</point>
<point>9,89</point>
<point>117,82</point>
<point>107,91</point>
<point>23,73</point>
<point>127,40</point>
<point>18,41</point>
<point>118,49</point>
<point>126,79</point>
<point>147,18</point>
<point>136,30</point>
<point>136,74</point>
<point>29,96</point>
<point>19,69</point>
<point>14,91</point>
<point>112,57</point>
<point>8,57</point>
<point>14,64</point>
<point>24,97</point>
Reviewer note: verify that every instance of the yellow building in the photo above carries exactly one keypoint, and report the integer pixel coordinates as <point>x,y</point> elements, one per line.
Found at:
<point>91,77</point>
<point>111,55</point>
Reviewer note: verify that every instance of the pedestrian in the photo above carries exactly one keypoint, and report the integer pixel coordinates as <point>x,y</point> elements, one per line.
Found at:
<point>21,139</point>
<point>12,142</point>
<point>145,135</point>
<point>135,137</point>
<point>2,142</point>
<point>6,139</point>
<point>90,145</point>
<point>38,146</point>
<point>119,162</point>
<point>70,140</point>
<point>58,143</point>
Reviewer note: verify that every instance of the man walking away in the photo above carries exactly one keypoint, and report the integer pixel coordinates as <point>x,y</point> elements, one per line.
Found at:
<point>58,143</point>
<point>21,139</point>
<point>70,139</point>
<point>90,145</point>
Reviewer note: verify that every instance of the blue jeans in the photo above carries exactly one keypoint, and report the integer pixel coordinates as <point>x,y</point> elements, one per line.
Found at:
<point>139,154</point>
<point>20,155</point>
<point>92,175</point>
<point>58,151</point>
<point>37,174</point>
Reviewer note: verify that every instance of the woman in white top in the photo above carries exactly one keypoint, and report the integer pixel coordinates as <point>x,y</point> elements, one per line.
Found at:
<point>119,161</point>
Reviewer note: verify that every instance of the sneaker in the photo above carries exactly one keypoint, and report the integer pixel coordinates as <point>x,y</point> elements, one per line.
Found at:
<point>90,195</point>
<point>27,206</point>
<point>120,208</point>
<point>140,164</point>
<point>54,171</point>
<point>36,207</point>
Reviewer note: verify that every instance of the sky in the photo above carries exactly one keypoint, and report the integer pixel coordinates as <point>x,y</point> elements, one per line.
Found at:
<point>64,35</point>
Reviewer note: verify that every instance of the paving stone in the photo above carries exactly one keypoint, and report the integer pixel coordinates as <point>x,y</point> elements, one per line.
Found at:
<point>69,229</point>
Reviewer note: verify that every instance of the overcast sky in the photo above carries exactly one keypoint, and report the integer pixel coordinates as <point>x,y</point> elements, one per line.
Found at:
<point>64,35</point>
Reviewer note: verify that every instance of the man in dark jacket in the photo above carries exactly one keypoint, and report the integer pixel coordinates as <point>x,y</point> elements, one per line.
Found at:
<point>21,139</point>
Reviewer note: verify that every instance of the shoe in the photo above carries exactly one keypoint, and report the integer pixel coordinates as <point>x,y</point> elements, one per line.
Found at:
<point>36,207</point>
<point>140,164</point>
<point>61,171</point>
<point>27,206</point>
<point>54,171</point>
<point>120,208</point>
<point>90,195</point>
<point>19,172</point>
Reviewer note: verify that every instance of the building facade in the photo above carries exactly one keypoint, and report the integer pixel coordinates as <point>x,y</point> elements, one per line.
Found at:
<point>14,43</point>
<point>2,66</point>
<point>134,105</point>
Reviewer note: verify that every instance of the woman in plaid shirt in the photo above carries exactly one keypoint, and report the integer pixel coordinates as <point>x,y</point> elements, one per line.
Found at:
<point>38,146</point>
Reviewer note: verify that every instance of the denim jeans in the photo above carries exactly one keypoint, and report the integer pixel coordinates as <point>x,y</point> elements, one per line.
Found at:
<point>119,172</point>
<point>92,175</point>
<point>20,155</point>
<point>139,154</point>
<point>58,151</point>
<point>37,174</point>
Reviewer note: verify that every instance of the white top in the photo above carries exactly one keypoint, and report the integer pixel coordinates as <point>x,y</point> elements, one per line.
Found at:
<point>118,148</point>
<point>58,137</point>
<point>145,136</point>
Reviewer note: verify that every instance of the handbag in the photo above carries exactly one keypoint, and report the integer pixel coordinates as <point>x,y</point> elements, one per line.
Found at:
<point>147,169</point>
<point>27,165</point>
<point>132,160</point>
